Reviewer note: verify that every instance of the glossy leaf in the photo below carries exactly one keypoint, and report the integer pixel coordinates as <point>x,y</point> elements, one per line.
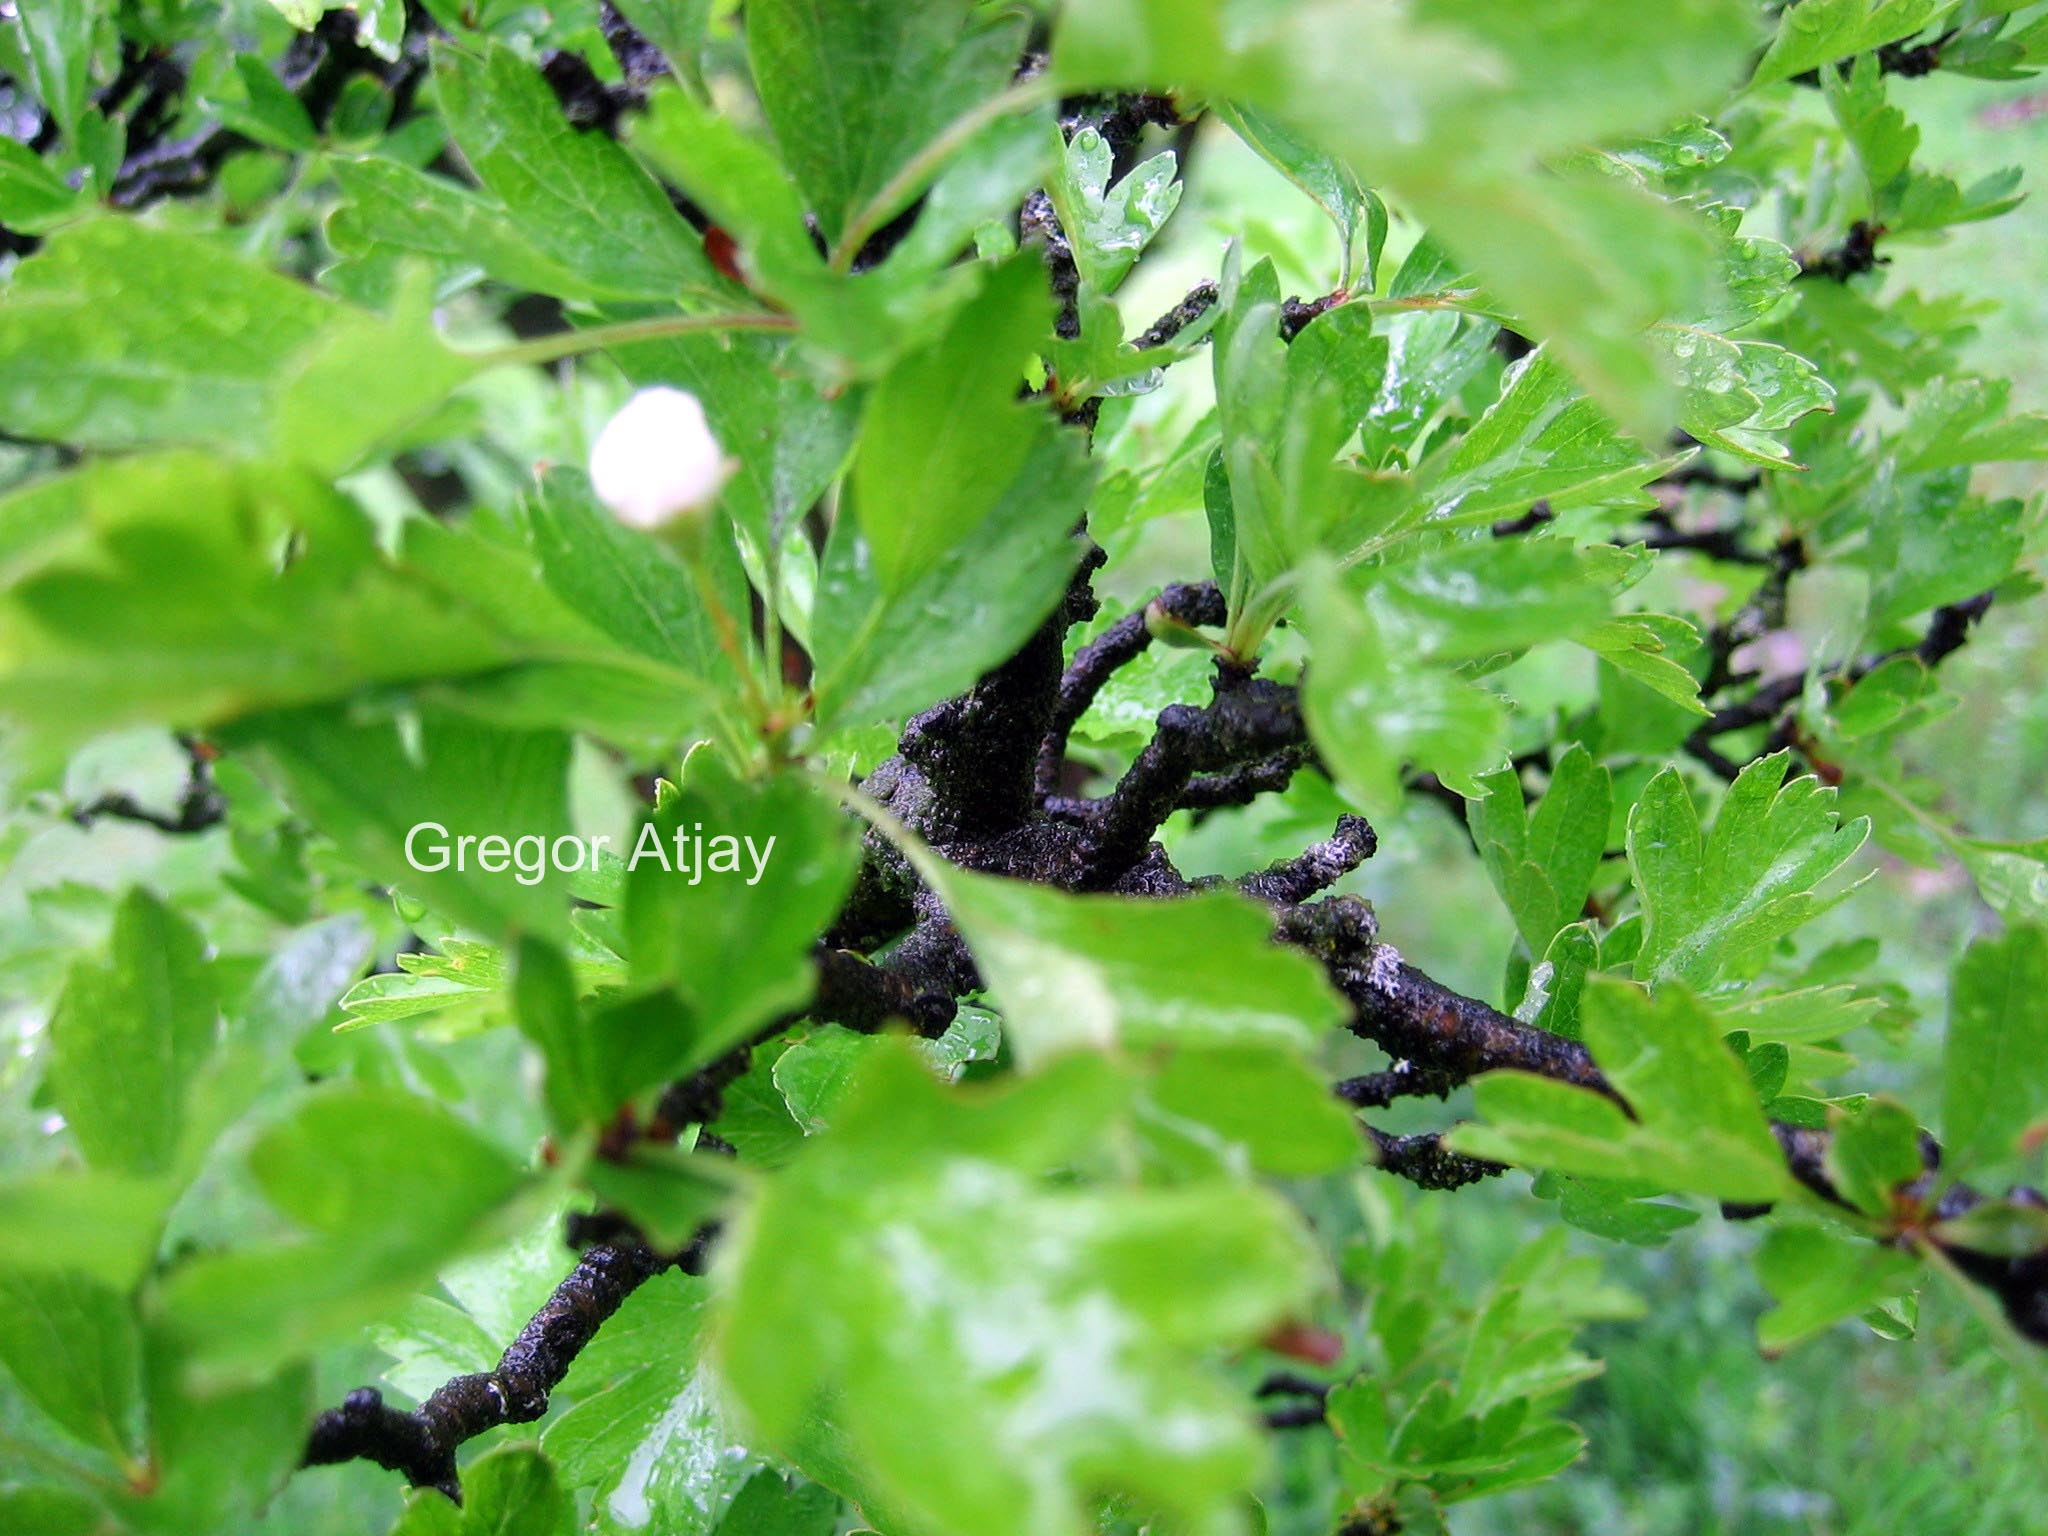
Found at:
<point>935,1208</point>
<point>1713,900</point>
<point>853,91</point>
<point>1543,865</point>
<point>734,946</point>
<point>1099,972</point>
<point>1696,1126</point>
<point>1816,32</point>
<point>578,198</point>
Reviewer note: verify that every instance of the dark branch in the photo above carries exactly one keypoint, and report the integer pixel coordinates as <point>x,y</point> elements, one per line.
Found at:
<point>1196,604</point>
<point>200,805</point>
<point>1198,302</point>
<point>1403,1080</point>
<point>1427,1163</point>
<point>978,752</point>
<point>1248,719</point>
<point>1856,254</point>
<point>1293,1416</point>
<point>1534,518</point>
<point>867,997</point>
<point>422,1444</point>
<point>1241,786</point>
<point>1948,628</point>
<point>1322,865</point>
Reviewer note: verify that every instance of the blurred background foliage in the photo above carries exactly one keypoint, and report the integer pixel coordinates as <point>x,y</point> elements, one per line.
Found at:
<point>1693,1432</point>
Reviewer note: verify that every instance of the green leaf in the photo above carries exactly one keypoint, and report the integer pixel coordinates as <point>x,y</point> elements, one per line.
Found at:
<point>1995,1065</point>
<point>395,995</point>
<point>1932,544</point>
<point>1816,32</point>
<point>94,638</point>
<point>102,1226</point>
<point>365,384</point>
<point>868,320</point>
<point>220,1454</point>
<point>735,947</point>
<point>386,1185</point>
<point>1640,647</point>
<point>577,198</point>
<point>129,1036</point>
<point>648,1435</point>
<point>1585,264</point>
<point>2011,877</point>
<point>1963,421</point>
<point>1540,441</point>
<point>769,1506</point>
<point>380,1166</point>
<point>1557,982</point>
<point>117,334</point>
<point>510,1492</point>
<point>1696,1126</point>
<point>633,588</point>
<point>814,1073</point>
<point>1108,227</point>
<point>1713,903</point>
<point>1480,599</point>
<point>376,788</point>
<point>1898,196</point>
<point>1872,1153</point>
<point>1096,972</point>
<point>853,90</point>
<point>57,38</point>
<point>1284,412</point>
<point>50,1511</point>
<point>33,197</point>
<point>1612,1211</point>
<point>266,110</point>
<point>71,1345</point>
<point>1735,394</point>
<point>302,982</point>
<point>1269,1102</point>
<point>1356,211</point>
<point>1543,866</point>
<point>1819,1278</point>
<point>1005,1286</point>
<point>1371,712</point>
<point>882,656</point>
<point>393,207</point>
<point>944,434</point>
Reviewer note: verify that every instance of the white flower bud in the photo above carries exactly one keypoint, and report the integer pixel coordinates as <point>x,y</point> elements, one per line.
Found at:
<point>656,460</point>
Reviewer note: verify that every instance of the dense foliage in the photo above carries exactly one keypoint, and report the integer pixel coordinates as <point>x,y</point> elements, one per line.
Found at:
<point>1048,1137</point>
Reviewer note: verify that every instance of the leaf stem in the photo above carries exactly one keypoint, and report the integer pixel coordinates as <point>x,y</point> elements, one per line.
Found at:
<point>559,344</point>
<point>911,176</point>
